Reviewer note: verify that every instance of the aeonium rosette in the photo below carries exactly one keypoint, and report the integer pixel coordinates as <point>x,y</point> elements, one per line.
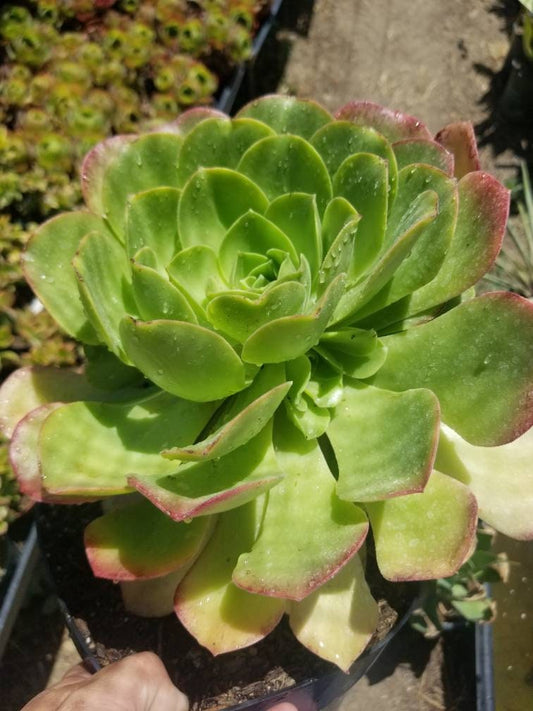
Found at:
<point>283,349</point>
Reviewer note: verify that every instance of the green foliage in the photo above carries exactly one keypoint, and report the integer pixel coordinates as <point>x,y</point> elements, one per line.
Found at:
<point>513,269</point>
<point>282,340</point>
<point>463,596</point>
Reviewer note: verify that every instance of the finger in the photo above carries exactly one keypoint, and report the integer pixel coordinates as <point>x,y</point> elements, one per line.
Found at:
<point>142,681</point>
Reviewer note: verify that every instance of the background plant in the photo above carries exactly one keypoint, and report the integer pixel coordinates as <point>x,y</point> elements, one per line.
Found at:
<point>513,269</point>
<point>463,596</point>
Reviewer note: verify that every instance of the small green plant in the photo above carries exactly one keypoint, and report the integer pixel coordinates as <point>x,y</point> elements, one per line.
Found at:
<point>284,352</point>
<point>463,596</point>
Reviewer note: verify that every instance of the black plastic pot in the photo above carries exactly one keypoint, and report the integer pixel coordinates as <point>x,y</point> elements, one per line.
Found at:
<point>21,564</point>
<point>229,93</point>
<point>308,695</point>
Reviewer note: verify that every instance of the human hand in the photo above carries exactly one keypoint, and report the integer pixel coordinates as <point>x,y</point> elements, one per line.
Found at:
<point>136,683</point>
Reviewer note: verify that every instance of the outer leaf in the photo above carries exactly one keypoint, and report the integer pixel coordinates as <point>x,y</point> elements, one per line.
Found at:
<point>90,448</point>
<point>29,388</point>
<point>459,138</point>
<point>287,164</point>
<point>219,142</point>
<point>211,201</point>
<point>394,450</point>
<point>172,353</point>
<point>337,141</point>
<point>353,305</point>
<point>213,486</point>
<point>480,348</point>
<point>424,536</point>
<point>47,267</point>
<point>286,114</point>
<point>483,211</point>
<point>296,553</point>
<point>149,161</point>
<point>394,125</point>
<point>221,616</point>
<point>419,150</point>
<point>337,621</point>
<point>152,221</point>
<point>23,452</point>
<point>501,479</point>
<point>104,282</point>
<point>291,336</point>
<point>137,542</point>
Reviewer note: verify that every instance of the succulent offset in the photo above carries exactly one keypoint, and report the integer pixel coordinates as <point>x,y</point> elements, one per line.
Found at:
<point>284,350</point>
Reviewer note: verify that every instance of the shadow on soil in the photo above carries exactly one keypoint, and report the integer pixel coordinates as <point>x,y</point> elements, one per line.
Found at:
<point>509,100</point>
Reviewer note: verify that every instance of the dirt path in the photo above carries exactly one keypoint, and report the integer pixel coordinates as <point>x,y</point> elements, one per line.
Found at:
<point>435,60</point>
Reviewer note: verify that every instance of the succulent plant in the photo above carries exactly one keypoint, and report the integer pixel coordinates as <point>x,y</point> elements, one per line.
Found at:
<point>513,269</point>
<point>284,351</point>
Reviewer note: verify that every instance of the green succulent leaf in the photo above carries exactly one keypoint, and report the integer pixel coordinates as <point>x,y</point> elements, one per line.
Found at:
<point>291,336</point>
<point>47,267</point>
<point>356,352</point>
<point>219,142</point>
<point>88,449</point>
<point>459,139</point>
<point>296,214</point>
<point>104,282</point>
<point>287,164</point>
<point>250,418</point>
<point>285,114</point>
<point>252,233</point>
<point>23,452</point>
<point>152,221</point>
<point>337,621</point>
<point>483,209</point>
<point>155,297</point>
<point>339,213</point>
<point>132,166</point>
<point>195,272</point>
<point>295,553</point>
<point>419,150</point>
<point>216,485</point>
<point>501,478</point>
<point>409,529</point>
<point>104,370</point>
<point>211,201</point>
<point>387,461</point>
<point>387,279</point>
<point>363,180</point>
<point>137,542</point>
<point>480,348</point>
<point>173,353</point>
<point>239,316</point>
<point>394,125</point>
<point>28,388</point>
<point>207,599</point>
